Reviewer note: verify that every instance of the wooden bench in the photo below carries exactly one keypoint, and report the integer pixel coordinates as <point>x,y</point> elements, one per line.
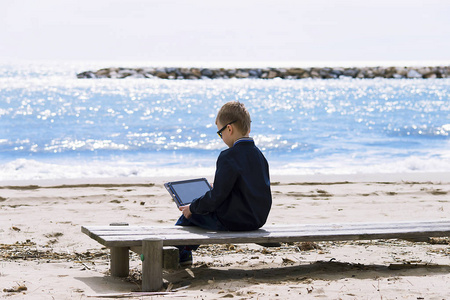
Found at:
<point>150,240</point>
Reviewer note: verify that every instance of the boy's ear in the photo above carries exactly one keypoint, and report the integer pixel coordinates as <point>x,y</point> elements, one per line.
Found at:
<point>230,128</point>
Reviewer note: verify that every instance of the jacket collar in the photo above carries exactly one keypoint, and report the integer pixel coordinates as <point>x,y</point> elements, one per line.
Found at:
<point>243,139</point>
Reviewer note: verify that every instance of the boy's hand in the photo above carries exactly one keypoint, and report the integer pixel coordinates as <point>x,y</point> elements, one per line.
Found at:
<point>186,211</point>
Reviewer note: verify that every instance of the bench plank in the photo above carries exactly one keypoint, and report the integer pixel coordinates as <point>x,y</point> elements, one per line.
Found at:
<point>279,227</point>
<point>131,236</point>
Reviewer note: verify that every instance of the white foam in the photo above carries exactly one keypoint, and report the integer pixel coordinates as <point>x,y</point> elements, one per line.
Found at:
<point>366,166</point>
<point>29,169</point>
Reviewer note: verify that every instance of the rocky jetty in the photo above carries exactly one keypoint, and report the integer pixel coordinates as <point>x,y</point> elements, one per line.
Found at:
<point>271,73</point>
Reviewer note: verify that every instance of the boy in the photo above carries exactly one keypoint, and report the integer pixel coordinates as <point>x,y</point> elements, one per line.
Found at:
<point>241,198</point>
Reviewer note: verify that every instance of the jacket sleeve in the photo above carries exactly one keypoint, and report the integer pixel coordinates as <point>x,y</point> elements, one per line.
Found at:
<point>224,180</point>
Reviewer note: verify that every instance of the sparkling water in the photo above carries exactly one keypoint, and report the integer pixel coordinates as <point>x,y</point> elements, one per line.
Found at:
<point>53,125</point>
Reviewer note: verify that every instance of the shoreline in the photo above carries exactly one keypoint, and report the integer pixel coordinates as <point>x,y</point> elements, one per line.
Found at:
<point>306,178</point>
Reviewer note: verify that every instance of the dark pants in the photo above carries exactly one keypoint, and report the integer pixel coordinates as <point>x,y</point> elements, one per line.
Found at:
<point>208,221</point>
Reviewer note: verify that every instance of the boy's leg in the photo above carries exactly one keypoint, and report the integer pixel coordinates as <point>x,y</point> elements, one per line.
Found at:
<point>208,221</point>
<point>182,221</point>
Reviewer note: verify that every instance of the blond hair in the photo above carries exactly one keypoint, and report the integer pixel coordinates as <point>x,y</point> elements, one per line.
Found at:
<point>234,111</point>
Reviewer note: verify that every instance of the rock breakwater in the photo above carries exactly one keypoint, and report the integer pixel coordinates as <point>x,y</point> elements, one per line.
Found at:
<point>271,73</point>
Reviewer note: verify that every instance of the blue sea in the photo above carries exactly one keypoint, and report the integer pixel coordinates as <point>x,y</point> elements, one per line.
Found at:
<point>54,126</point>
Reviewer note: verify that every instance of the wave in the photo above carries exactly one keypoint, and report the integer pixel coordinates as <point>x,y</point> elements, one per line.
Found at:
<point>29,169</point>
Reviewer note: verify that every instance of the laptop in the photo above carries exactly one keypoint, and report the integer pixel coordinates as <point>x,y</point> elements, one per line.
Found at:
<point>185,191</point>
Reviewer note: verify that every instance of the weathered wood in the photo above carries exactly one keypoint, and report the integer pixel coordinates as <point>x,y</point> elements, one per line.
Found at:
<point>119,257</point>
<point>149,240</point>
<point>152,263</point>
<point>171,257</point>
<point>131,236</point>
<point>120,261</point>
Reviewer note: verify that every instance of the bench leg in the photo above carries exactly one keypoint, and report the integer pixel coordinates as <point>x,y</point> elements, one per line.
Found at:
<point>171,258</point>
<point>152,263</point>
<point>120,264</point>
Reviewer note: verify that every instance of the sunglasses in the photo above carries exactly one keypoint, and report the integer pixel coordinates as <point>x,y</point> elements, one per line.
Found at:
<point>223,128</point>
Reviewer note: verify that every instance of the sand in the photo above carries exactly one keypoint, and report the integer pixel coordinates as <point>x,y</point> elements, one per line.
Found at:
<point>44,255</point>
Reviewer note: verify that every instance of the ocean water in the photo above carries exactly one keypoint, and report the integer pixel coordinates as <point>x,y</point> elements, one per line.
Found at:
<point>53,125</point>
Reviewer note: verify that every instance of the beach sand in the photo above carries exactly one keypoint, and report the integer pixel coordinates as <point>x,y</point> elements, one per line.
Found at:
<point>44,255</point>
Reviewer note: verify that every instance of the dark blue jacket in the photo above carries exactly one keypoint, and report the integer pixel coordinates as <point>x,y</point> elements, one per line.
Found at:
<point>241,196</point>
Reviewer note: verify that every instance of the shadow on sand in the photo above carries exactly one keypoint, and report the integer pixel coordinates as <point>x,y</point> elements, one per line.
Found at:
<point>320,270</point>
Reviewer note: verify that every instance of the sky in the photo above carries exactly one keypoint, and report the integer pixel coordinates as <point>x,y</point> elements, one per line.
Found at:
<point>225,31</point>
